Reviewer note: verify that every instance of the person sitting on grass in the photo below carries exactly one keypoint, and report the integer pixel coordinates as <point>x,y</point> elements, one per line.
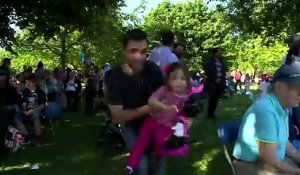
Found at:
<point>34,100</point>
<point>262,146</point>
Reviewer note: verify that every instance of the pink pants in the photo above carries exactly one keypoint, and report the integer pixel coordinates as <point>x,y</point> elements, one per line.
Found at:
<point>151,130</point>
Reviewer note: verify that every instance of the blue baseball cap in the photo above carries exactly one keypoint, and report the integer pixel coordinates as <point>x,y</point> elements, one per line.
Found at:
<point>288,73</point>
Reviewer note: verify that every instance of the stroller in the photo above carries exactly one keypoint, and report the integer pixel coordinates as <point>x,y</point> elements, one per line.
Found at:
<point>111,133</point>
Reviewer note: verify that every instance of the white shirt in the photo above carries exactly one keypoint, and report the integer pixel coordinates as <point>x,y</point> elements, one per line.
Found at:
<point>263,87</point>
<point>163,56</point>
<point>71,86</point>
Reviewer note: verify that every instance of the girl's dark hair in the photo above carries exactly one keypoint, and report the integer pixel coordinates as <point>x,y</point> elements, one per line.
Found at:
<point>178,66</point>
<point>289,56</point>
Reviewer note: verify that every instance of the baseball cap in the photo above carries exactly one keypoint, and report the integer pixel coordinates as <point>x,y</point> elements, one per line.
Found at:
<point>288,73</point>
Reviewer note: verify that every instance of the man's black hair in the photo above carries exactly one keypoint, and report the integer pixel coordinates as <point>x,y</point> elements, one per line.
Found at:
<point>215,50</point>
<point>167,38</point>
<point>32,78</point>
<point>134,34</point>
<point>175,45</point>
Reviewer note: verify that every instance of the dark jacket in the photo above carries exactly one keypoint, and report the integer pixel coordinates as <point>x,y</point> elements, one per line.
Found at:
<point>6,69</point>
<point>210,70</point>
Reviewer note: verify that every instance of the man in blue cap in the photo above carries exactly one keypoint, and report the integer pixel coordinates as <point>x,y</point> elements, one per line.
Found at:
<point>262,144</point>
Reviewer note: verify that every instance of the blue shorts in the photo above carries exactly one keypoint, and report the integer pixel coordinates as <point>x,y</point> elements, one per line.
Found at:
<point>19,116</point>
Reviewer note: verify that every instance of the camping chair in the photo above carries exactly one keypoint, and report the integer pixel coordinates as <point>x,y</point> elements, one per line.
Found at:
<point>48,119</point>
<point>228,133</point>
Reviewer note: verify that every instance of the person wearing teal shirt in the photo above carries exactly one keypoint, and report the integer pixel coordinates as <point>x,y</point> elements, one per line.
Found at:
<point>262,144</point>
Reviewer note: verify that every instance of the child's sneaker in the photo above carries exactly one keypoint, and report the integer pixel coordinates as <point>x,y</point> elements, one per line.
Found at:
<point>128,171</point>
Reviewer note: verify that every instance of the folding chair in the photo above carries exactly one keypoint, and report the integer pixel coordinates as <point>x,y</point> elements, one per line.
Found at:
<point>228,133</point>
<point>47,118</point>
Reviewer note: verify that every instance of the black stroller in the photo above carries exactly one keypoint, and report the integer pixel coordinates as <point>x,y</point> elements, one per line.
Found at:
<point>111,133</point>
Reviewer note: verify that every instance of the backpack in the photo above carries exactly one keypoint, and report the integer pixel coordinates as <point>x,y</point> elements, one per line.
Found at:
<point>13,139</point>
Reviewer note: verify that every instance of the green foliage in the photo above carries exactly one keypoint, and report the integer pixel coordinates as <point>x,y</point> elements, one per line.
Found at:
<point>45,18</point>
<point>269,18</point>
<point>30,59</point>
<point>201,29</point>
<point>254,56</point>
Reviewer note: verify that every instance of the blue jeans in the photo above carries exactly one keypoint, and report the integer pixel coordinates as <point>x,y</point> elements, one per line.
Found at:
<point>148,165</point>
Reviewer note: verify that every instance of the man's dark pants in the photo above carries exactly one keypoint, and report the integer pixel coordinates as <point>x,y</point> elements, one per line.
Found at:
<point>3,129</point>
<point>238,84</point>
<point>215,93</point>
<point>148,165</point>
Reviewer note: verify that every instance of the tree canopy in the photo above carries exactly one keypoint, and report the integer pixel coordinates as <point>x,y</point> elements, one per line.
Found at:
<point>269,18</point>
<point>46,17</point>
<point>203,29</point>
<point>250,32</point>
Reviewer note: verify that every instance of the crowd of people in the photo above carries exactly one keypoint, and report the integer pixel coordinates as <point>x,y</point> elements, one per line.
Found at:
<point>153,98</point>
<point>35,96</point>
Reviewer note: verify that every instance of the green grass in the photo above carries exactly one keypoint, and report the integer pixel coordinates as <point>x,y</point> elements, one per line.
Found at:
<point>75,153</point>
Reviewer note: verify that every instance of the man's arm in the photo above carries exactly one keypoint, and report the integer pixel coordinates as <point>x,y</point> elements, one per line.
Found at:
<point>120,115</point>
<point>292,152</point>
<point>267,140</point>
<point>115,104</point>
<point>267,156</point>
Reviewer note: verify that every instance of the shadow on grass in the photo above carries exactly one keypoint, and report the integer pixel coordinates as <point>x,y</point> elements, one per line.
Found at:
<point>75,152</point>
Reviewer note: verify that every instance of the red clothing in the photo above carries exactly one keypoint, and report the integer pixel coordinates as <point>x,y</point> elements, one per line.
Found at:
<point>237,76</point>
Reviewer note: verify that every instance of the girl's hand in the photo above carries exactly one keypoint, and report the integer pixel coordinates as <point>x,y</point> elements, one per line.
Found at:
<point>172,108</point>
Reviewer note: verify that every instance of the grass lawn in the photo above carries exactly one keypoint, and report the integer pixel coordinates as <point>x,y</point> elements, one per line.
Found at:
<point>75,153</point>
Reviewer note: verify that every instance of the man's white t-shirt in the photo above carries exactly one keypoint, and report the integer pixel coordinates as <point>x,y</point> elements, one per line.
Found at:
<point>163,56</point>
<point>263,87</point>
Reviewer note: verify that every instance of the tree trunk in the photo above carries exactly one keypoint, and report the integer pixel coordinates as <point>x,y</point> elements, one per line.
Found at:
<point>255,72</point>
<point>63,53</point>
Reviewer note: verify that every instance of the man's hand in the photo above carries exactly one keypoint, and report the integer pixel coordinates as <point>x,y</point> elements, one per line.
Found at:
<point>120,115</point>
<point>145,109</point>
<point>30,112</point>
<point>127,69</point>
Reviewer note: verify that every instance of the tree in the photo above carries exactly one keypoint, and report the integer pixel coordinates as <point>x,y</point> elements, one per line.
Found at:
<point>69,40</point>
<point>201,29</point>
<point>267,18</point>
<point>254,56</point>
<point>47,17</point>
